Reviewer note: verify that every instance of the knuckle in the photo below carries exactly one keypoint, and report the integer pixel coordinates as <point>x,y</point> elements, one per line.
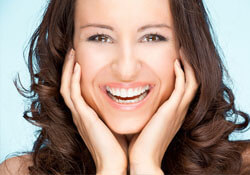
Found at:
<point>195,85</point>
<point>193,92</point>
<point>182,91</point>
<point>72,96</point>
<point>62,91</point>
<point>192,88</point>
<point>91,117</point>
<point>75,120</point>
<point>90,123</point>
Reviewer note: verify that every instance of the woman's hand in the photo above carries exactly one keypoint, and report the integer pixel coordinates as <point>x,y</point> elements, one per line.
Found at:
<point>146,149</point>
<point>108,149</point>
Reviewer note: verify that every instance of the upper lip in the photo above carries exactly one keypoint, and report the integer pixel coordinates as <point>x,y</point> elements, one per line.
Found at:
<point>128,85</point>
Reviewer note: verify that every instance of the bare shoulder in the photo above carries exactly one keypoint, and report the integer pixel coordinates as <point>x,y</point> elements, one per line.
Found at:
<point>247,150</point>
<point>16,165</point>
<point>245,153</point>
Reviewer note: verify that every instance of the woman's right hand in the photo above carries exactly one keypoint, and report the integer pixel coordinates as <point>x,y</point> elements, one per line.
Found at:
<point>109,150</point>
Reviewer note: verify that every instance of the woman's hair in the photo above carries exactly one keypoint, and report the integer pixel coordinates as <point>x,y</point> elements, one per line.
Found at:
<point>202,144</point>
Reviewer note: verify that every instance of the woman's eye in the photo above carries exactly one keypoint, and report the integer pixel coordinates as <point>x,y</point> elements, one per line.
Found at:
<point>154,37</point>
<point>99,38</point>
<point>105,38</point>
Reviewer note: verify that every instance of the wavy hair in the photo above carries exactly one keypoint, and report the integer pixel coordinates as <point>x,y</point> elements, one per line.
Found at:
<point>202,144</point>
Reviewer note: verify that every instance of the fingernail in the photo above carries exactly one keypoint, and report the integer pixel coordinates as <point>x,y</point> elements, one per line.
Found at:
<point>72,53</point>
<point>76,67</point>
<point>178,63</point>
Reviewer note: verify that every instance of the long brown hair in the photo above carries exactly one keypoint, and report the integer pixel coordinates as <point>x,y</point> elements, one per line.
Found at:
<point>202,144</point>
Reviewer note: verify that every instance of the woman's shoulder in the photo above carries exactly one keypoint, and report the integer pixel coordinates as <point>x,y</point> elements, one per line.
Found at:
<point>244,146</point>
<point>16,165</point>
<point>246,150</point>
<point>19,165</point>
<point>245,153</point>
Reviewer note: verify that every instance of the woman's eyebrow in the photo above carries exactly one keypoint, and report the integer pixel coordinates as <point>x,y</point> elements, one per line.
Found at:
<point>139,30</point>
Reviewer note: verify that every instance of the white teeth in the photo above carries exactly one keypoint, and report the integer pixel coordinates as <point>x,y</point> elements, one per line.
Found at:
<point>129,101</point>
<point>123,93</point>
<point>127,93</point>
<point>116,91</point>
<point>130,92</point>
<point>137,91</point>
<point>108,88</point>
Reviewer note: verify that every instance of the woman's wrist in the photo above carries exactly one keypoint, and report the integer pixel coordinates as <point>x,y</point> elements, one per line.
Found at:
<point>145,169</point>
<point>112,172</point>
<point>123,172</point>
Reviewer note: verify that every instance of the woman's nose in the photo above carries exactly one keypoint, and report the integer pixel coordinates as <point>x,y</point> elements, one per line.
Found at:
<point>126,66</point>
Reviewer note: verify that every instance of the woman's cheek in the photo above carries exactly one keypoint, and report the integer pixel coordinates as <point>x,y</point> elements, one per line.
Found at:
<point>92,60</point>
<point>87,61</point>
<point>161,61</point>
<point>91,55</point>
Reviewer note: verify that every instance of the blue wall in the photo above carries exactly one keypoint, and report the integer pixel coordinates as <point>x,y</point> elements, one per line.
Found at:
<point>18,20</point>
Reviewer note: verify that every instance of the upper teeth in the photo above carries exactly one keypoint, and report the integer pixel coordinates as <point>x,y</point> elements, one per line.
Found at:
<point>127,92</point>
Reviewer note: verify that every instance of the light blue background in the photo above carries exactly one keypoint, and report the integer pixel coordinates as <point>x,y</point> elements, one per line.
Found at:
<point>18,20</point>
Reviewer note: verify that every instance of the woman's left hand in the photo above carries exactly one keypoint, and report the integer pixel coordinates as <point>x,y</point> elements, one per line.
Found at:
<point>146,149</point>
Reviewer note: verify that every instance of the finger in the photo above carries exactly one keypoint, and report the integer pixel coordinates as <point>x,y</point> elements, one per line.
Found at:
<point>170,107</point>
<point>67,72</point>
<point>179,89</point>
<point>175,99</point>
<point>189,72</point>
<point>191,85</point>
<point>65,90</point>
<point>68,57</point>
<point>67,69</point>
<point>86,113</point>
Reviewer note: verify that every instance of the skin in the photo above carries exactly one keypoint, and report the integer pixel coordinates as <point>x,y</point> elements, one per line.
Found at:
<point>145,151</point>
<point>105,140</point>
<point>125,56</point>
<point>89,64</point>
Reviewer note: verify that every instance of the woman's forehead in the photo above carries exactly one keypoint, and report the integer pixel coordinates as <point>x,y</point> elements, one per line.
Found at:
<point>126,12</point>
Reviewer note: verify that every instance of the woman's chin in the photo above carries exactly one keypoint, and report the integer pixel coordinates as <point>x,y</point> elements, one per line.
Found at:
<point>126,130</point>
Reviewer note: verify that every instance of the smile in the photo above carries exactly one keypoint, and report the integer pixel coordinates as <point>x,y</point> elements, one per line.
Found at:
<point>127,98</point>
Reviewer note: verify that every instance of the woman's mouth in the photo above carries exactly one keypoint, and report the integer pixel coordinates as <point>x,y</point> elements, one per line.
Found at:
<point>127,98</point>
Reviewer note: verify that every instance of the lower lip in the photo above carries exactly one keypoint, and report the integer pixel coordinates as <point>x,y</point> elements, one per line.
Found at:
<point>127,107</point>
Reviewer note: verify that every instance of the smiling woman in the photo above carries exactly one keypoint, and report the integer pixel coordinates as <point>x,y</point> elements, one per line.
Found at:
<point>129,87</point>
<point>128,58</point>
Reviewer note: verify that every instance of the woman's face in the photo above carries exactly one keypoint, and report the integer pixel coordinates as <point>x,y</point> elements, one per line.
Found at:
<point>126,56</point>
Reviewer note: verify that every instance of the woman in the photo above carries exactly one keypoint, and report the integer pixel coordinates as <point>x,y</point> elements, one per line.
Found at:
<point>129,87</point>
